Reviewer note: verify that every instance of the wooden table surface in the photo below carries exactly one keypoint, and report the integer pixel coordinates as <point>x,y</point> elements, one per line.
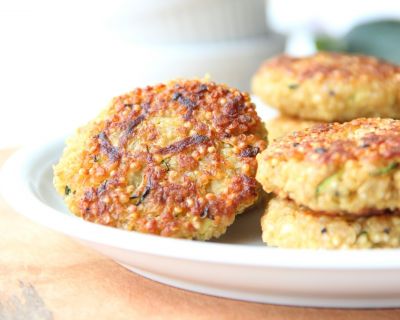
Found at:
<point>46,275</point>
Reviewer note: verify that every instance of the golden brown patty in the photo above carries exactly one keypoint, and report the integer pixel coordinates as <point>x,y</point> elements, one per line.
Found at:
<point>282,125</point>
<point>288,225</point>
<point>330,86</point>
<point>352,167</point>
<point>175,159</point>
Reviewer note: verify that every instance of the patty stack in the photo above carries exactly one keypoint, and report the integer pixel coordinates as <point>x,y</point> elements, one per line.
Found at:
<point>326,87</point>
<point>337,185</point>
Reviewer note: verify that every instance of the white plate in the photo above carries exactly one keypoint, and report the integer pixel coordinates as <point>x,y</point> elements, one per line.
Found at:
<point>237,266</point>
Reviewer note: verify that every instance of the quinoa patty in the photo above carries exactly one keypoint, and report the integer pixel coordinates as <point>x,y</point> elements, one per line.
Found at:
<point>175,159</point>
<point>282,125</point>
<point>330,86</point>
<point>352,167</point>
<point>288,225</point>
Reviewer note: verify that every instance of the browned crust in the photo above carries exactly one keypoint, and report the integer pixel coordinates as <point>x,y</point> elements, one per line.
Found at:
<point>376,139</point>
<point>331,65</point>
<point>181,145</point>
<point>107,148</point>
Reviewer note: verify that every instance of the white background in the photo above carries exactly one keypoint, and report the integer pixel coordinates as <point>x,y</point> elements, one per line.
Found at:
<point>62,61</point>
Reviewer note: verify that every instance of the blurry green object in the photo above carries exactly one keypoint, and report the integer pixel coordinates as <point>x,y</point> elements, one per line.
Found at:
<point>378,38</point>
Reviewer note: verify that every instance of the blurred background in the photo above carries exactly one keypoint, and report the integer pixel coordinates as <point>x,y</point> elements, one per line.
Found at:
<point>62,61</point>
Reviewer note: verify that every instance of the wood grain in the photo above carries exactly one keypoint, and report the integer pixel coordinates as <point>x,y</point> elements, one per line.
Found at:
<point>45,275</point>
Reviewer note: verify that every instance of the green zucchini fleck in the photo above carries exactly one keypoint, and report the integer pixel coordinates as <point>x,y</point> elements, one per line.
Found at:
<point>384,170</point>
<point>67,190</point>
<point>133,196</point>
<point>136,199</point>
<point>293,86</point>
<point>326,182</point>
<point>165,163</point>
<point>363,232</point>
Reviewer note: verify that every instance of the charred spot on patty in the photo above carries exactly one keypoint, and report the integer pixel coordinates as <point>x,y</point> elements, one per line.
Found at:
<point>107,148</point>
<point>249,151</point>
<point>183,144</point>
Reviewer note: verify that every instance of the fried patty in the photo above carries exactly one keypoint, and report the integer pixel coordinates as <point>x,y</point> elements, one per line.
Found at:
<point>175,159</point>
<point>282,125</point>
<point>330,86</point>
<point>288,225</point>
<point>352,167</point>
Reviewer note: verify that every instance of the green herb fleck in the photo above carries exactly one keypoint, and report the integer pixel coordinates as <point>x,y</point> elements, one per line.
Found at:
<point>384,170</point>
<point>326,182</point>
<point>293,86</point>
<point>67,190</point>
<point>165,163</point>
